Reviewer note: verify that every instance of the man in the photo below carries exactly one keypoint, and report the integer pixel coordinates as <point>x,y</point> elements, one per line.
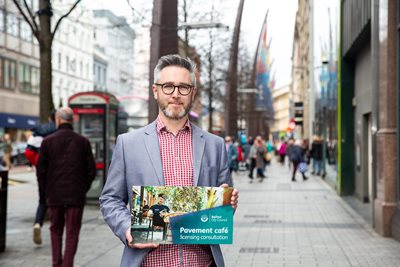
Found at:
<point>65,170</point>
<point>170,151</point>
<point>157,213</point>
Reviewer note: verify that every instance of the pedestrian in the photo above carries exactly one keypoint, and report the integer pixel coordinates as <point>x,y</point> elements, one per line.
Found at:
<point>170,151</point>
<point>7,149</point>
<point>232,150</point>
<point>316,155</point>
<point>32,154</point>
<point>252,160</point>
<point>65,170</point>
<point>296,156</point>
<point>261,150</point>
<point>282,151</point>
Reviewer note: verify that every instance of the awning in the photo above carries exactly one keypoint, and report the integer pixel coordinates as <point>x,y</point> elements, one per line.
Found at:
<point>8,120</point>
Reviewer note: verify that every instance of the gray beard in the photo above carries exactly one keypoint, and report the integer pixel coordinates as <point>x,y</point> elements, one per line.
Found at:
<point>170,115</point>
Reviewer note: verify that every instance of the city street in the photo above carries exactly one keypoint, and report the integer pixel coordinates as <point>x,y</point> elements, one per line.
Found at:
<point>277,223</point>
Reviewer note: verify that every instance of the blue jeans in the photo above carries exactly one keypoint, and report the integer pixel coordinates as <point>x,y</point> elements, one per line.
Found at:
<point>317,166</point>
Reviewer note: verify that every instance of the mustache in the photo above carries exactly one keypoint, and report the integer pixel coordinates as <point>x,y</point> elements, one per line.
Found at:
<point>175,103</point>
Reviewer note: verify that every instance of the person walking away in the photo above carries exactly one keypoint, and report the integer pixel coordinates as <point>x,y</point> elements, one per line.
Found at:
<point>148,156</point>
<point>316,155</point>
<point>296,156</point>
<point>232,154</point>
<point>65,169</point>
<point>260,158</point>
<point>252,160</point>
<point>7,149</point>
<point>32,154</point>
<point>282,151</point>
<point>246,151</point>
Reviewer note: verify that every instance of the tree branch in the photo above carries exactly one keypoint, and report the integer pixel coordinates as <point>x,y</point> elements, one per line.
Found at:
<point>32,25</point>
<point>31,15</point>
<point>61,18</point>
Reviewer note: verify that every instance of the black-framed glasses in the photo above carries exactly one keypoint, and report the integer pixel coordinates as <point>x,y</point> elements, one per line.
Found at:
<point>169,88</point>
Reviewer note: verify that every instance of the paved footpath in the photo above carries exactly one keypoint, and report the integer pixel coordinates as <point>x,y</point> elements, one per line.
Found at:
<point>278,223</point>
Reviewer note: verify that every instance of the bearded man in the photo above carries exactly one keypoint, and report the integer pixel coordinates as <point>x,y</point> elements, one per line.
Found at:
<point>170,151</point>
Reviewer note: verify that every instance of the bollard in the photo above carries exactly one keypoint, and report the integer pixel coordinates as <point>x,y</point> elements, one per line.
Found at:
<point>3,208</point>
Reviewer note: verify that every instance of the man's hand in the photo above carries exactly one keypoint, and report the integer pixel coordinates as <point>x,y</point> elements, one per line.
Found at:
<point>129,238</point>
<point>235,196</point>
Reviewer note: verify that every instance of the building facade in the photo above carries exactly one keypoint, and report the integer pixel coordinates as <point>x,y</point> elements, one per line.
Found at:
<point>281,102</point>
<point>300,67</point>
<point>115,35</point>
<point>367,156</point>
<point>19,74</point>
<point>72,52</point>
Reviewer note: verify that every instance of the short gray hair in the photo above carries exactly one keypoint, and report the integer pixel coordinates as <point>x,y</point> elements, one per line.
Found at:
<point>65,113</point>
<point>175,60</point>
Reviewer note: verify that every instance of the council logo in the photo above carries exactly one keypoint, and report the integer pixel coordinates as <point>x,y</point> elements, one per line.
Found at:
<point>204,218</point>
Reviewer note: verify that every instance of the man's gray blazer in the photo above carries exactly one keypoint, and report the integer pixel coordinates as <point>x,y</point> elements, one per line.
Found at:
<point>137,161</point>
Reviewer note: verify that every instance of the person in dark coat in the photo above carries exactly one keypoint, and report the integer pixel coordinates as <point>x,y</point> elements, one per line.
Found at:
<point>316,155</point>
<point>65,170</point>
<point>296,156</point>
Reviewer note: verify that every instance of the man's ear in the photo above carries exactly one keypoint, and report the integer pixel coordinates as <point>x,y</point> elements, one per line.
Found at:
<point>154,89</point>
<point>194,93</point>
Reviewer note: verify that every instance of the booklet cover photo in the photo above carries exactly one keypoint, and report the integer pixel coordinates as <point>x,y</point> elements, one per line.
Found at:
<point>182,215</point>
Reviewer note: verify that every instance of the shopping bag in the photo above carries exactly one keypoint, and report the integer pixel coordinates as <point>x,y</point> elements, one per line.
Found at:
<point>303,167</point>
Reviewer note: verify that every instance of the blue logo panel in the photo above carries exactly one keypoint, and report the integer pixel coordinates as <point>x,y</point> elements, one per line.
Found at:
<point>210,226</point>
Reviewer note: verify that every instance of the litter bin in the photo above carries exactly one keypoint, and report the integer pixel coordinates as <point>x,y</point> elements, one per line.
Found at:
<point>3,208</point>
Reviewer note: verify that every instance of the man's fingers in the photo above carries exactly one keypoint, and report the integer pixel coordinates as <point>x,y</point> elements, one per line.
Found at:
<point>224,185</point>
<point>144,245</point>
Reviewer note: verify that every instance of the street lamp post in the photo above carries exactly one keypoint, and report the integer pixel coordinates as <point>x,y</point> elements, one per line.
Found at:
<point>324,118</point>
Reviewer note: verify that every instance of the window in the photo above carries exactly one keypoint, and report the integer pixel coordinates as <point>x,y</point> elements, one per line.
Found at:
<point>1,20</point>
<point>24,78</point>
<point>26,32</point>
<point>9,74</point>
<point>12,24</point>
<point>66,63</point>
<point>59,60</point>
<point>29,79</point>
<point>35,81</point>
<point>13,74</point>
<point>1,72</point>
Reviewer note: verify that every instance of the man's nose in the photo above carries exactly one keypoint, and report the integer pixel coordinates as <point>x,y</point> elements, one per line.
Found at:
<point>176,92</point>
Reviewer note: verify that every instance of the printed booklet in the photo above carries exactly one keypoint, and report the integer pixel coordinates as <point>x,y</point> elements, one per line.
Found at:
<point>182,215</point>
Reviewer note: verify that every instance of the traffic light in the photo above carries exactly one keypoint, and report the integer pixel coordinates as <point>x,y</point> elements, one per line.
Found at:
<point>298,113</point>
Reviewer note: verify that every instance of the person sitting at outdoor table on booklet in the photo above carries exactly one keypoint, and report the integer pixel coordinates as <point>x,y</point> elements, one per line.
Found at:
<point>157,212</point>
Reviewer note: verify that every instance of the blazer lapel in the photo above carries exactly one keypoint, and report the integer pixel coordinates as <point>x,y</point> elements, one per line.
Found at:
<point>198,144</point>
<point>153,149</point>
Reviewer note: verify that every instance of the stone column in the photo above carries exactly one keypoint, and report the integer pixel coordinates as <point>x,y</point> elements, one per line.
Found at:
<point>386,186</point>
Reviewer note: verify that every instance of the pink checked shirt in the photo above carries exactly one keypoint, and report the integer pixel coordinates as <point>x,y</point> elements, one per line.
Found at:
<point>176,156</point>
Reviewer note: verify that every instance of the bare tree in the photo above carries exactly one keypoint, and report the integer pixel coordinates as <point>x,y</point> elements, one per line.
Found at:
<point>45,35</point>
<point>212,44</point>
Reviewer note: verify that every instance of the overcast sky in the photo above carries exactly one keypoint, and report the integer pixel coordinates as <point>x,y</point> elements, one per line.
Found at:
<point>281,17</point>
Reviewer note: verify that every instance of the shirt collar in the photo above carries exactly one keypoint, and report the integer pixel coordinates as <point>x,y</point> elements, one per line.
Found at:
<point>162,128</point>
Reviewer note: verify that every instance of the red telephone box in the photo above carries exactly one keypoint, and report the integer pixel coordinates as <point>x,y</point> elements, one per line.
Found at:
<point>95,117</point>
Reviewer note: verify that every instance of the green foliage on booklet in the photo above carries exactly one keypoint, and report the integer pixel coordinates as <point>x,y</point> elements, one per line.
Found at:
<point>181,215</point>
